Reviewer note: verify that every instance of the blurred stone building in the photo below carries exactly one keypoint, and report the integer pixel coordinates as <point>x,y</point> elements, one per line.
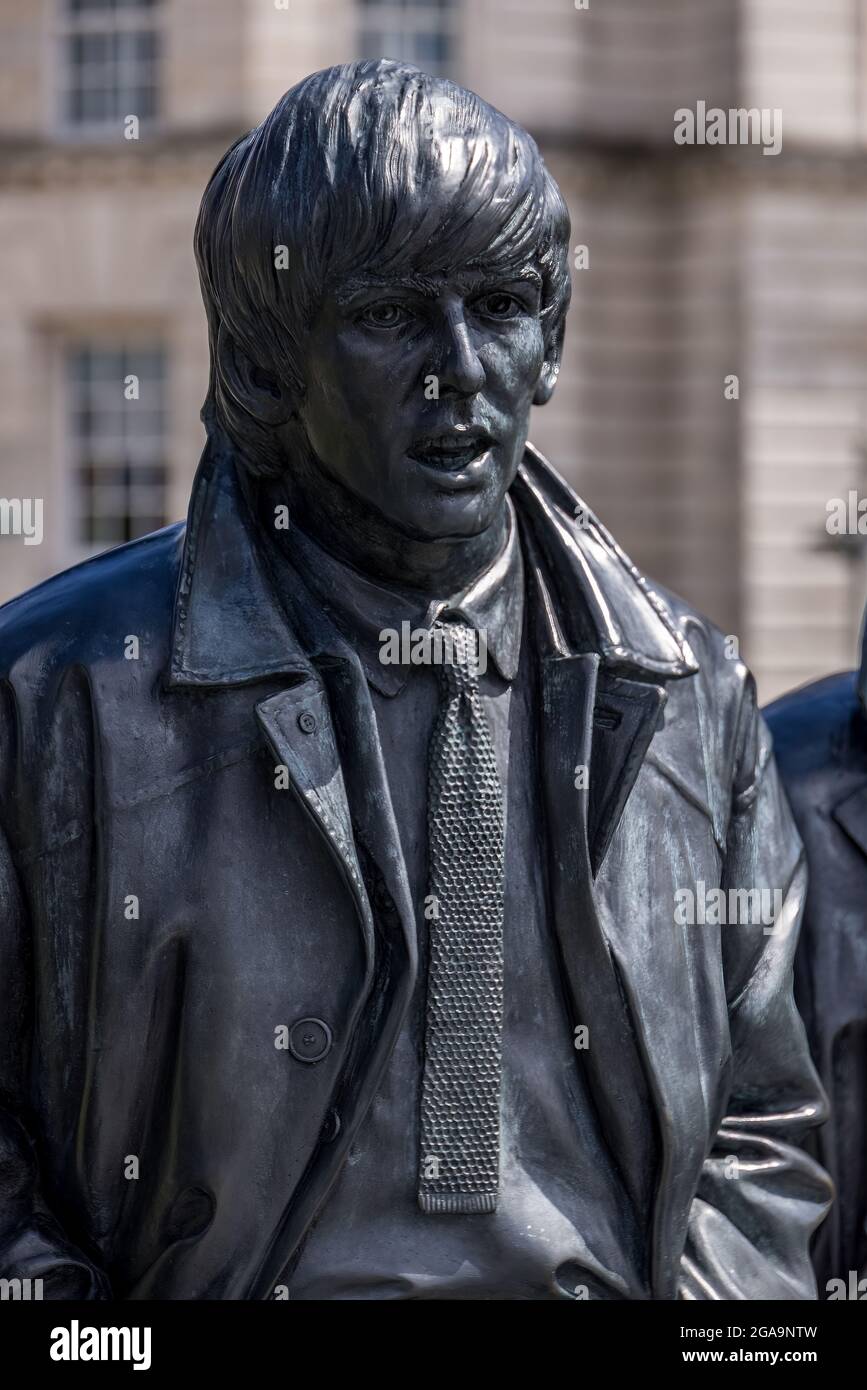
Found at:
<point>703,263</point>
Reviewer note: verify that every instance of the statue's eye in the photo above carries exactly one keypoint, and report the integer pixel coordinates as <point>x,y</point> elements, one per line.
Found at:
<point>499,305</point>
<point>384,315</point>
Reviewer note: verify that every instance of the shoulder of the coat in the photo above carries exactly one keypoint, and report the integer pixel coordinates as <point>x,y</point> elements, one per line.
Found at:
<point>642,625</point>
<point>818,731</point>
<point>722,672</point>
<point>86,612</point>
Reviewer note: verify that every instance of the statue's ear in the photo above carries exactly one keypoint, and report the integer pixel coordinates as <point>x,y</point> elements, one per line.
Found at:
<point>551,365</point>
<point>254,388</point>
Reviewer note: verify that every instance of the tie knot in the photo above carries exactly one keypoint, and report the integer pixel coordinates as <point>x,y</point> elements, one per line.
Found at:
<point>461,655</point>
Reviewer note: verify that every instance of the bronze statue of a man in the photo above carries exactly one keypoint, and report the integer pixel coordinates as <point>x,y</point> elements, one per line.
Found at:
<point>336,968</point>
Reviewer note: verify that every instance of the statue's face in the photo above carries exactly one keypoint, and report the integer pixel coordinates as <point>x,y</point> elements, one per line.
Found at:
<point>418,392</point>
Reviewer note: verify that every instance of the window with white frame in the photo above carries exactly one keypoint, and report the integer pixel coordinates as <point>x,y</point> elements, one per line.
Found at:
<point>116,433</point>
<point>419,31</point>
<point>109,62</point>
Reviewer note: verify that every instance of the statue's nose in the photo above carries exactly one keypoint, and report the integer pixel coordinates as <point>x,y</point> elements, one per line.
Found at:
<point>461,369</point>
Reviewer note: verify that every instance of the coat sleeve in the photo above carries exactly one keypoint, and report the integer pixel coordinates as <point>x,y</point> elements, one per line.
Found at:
<point>32,1242</point>
<point>760,1196</point>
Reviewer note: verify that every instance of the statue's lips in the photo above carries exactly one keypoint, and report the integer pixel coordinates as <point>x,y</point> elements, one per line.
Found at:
<point>457,453</point>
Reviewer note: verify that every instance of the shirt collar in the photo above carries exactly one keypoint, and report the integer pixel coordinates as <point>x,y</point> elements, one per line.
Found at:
<point>362,609</point>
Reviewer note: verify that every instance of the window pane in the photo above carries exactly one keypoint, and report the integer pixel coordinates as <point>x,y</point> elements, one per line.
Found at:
<point>106,530</point>
<point>378,43</point>
<point>417,30</point>
<point>111,70</point>
<point>139,101</point>
<point>91,105</point>
<point>148,365</point>
<point>94,48</point>
<point>136,46</point>
<point>153,476</point>
<point>108,366</point>
<point>118,445</point>
<point>431,49</point>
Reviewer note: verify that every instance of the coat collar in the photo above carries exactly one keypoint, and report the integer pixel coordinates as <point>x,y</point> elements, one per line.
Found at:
<point>229,627</point>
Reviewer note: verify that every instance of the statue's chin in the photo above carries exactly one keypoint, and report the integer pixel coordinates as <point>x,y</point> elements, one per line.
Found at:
<point>441,524</point>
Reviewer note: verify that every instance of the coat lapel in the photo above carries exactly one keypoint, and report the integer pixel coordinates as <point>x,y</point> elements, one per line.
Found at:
<point>297,725</point>
<point>613,1063</point>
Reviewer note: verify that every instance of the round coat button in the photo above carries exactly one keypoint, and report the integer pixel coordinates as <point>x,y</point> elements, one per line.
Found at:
<point>306,722</point>
<point>191,1214</point>
<point>310,1040</point>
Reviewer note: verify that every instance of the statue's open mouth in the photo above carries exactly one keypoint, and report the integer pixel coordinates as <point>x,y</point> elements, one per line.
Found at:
<point>451,450</point>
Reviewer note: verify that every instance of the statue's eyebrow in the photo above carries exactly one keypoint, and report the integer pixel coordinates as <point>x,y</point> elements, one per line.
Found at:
<point>358,284</point>
<point>526,272</point>
<point>475,277</point>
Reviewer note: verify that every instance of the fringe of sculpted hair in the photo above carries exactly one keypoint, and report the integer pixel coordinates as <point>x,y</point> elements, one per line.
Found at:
<point>339,175</point>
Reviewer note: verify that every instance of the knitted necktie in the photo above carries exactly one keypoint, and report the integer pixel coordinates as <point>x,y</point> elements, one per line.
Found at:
<point>460,1094</point>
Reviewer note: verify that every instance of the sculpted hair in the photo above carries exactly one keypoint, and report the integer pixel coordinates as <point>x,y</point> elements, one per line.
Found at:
<point>339,175</point>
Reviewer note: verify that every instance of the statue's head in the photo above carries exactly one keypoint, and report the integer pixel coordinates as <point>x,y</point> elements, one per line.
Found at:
<point>384,262</point>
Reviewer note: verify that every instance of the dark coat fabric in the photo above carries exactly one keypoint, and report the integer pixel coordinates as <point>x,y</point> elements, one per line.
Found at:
<point>199,857</point>
<point>820,737</point>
